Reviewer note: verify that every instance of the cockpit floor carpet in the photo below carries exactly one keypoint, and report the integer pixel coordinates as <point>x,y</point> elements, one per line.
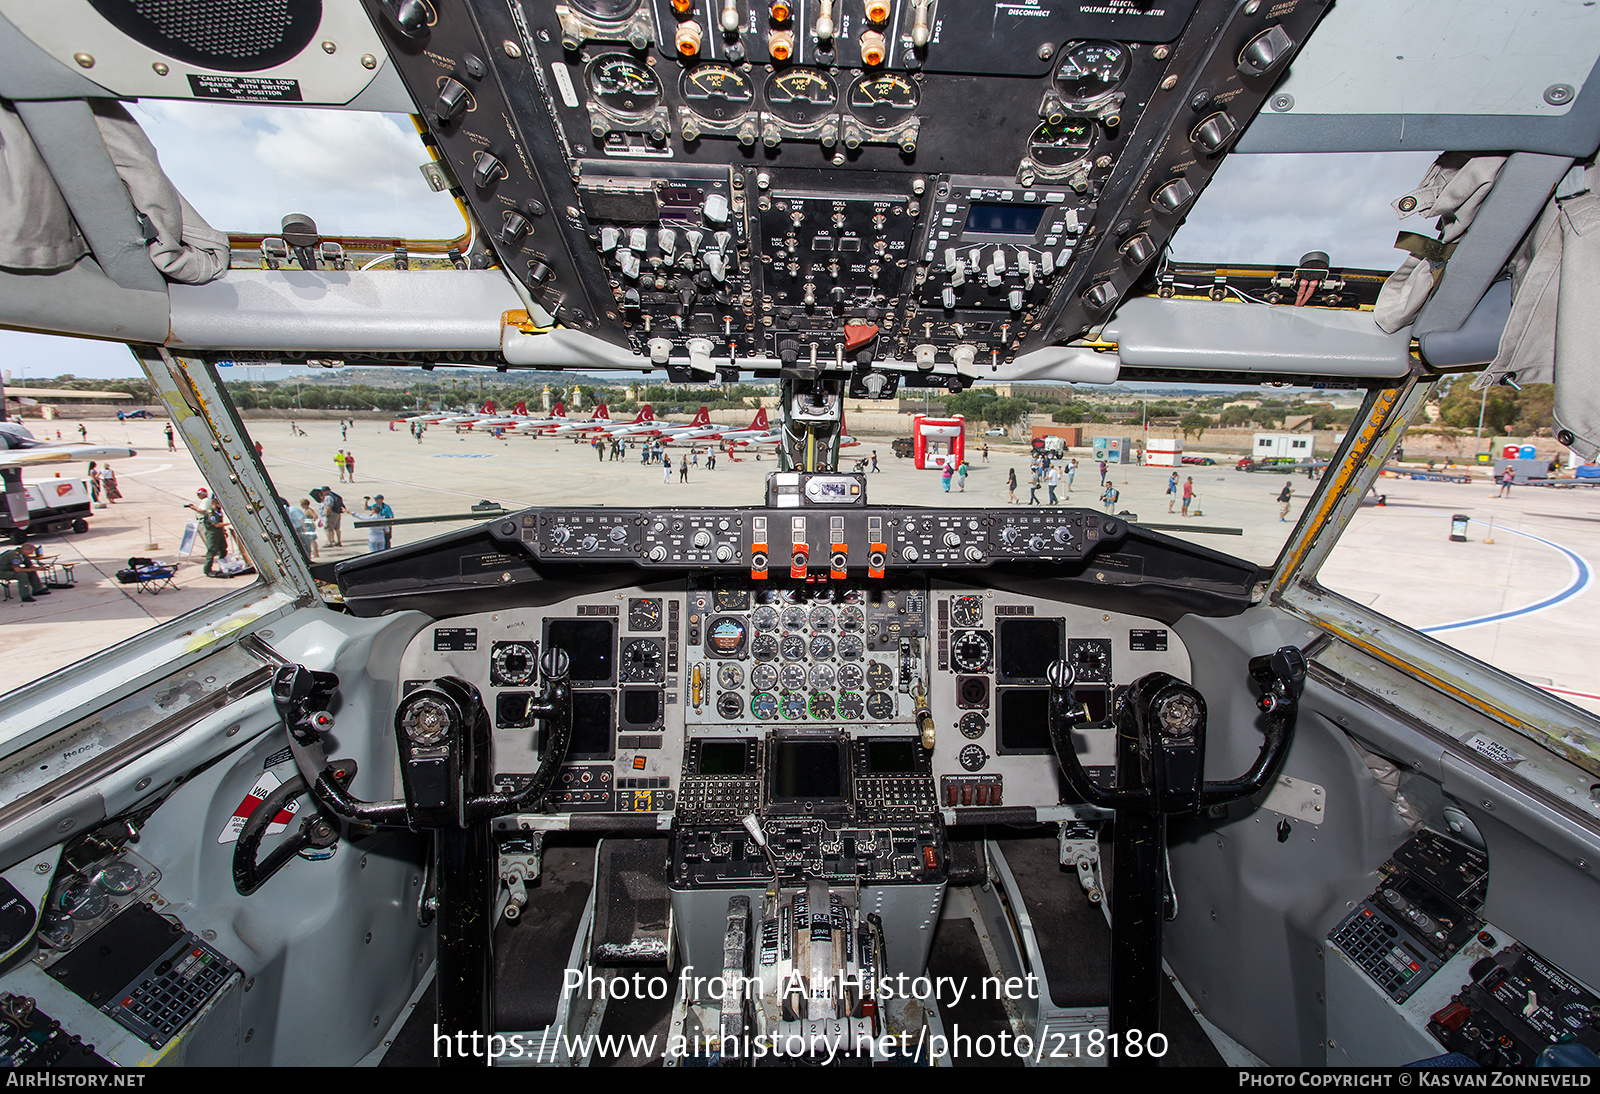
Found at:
<point>957,953</point>
<point>530,952</point>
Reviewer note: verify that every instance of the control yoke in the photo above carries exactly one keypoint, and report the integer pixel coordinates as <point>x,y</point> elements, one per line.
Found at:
<point>1164,720</point>
<point>442,730</point>
<point>1161,747</point>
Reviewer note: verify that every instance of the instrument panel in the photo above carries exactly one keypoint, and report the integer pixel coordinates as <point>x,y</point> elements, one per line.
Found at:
<point>713,181</point>
<point>708,697</point>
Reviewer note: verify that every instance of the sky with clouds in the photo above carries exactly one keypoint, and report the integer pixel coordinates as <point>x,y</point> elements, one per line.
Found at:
<point>243,167</point>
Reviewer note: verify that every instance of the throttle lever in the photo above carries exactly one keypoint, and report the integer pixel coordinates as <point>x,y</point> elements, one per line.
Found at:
<point>300,694</point>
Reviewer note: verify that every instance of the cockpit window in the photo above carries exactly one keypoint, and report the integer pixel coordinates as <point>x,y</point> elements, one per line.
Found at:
<point>1276,208</point>
<point>354,173</point>
<point>1475,535</point>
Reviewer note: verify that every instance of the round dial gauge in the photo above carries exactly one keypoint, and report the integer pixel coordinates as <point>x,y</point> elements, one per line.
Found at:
<point>972,724</point>
<point>973,757</point>
<point>820,677</point>
<point>822,618</point>
<point>764,677</point>
<point>1091,660</point>
<point>717,91</point>
<point>641,661</point>
<point>644,614</point>
<point>513,664</point>
<point>852,618</point>
<point>84,901</point>
<point>821,706</point>
<point>729,676</point>
<point>56,930</point>
<point>851,705</point>
<point>1091,69</point>
<point>793,705</point>
<point>792,677</point>
<point>765,618</point>
<point>1061,144</point>
<point>764,647</point>
<point>764,705</point>
<point>725,635</point>
<point>880,705</point>
<point>730,704</point>
<point>851,677</point>
<point>821,648</point>
<point>967,611</point>
<point>794,619</point>
<point>619,82</point>
<point>971,651</point>
<point>801,96</point>
<point>880,677</point>
<point>731,600</point>
<point>120,878</point>
<point>883,100</point>
<point>793,647</point>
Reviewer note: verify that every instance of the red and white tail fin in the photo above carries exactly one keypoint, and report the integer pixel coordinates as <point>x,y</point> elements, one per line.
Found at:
<point>601,413</point>
<point>520,410</point>
<point>646,414</point>
<point>559,410</point>
<point>488,407</point>
<point>702,418</point>
<point>760,420</point>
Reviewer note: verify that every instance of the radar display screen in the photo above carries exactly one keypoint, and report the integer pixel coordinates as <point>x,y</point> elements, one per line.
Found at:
<point>591,644</point>
<point>1027,648</point>
<point>592,724</point>
<point>1022,723</point>
<point>806,770</point>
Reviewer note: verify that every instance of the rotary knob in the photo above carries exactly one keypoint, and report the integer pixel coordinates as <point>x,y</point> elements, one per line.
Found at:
<point>1008,536</point>
<point>974,554</point>
<point>618,535</point>
<point>1063,535</point>
<point>589,543</point>
<point>951,539</point>
<point>560,536</point>
<point>724,553</point>
<point>1036,543</point>
<point>657,553</point>
<point>702,539</point>
<point>910,554</point>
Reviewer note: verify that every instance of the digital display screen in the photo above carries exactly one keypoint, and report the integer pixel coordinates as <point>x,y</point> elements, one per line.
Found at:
<point>641,706</point>
<point>1023,721</point>
<point>1027,648</point>
<point>723,758</point>
<point>806,770</point>
<point>591,726</point>
<point>986,218</point>
<point>891,758</point>
<point>591,644</point>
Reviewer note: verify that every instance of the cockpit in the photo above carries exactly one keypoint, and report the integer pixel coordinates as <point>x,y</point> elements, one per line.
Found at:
<point>815,775</point>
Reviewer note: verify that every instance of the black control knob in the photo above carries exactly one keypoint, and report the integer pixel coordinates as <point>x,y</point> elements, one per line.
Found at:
<point>1172,196</point>
<point>685,292</point>
<point>1137,251</point>
<point>538,272</point>
<point>1215,132</point>
<point>454,98</point>
<point>1100,295</point>
<point>413,18</point>
<point>513,227</point>
<point>487,169</point>
<point>1265,52</point>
